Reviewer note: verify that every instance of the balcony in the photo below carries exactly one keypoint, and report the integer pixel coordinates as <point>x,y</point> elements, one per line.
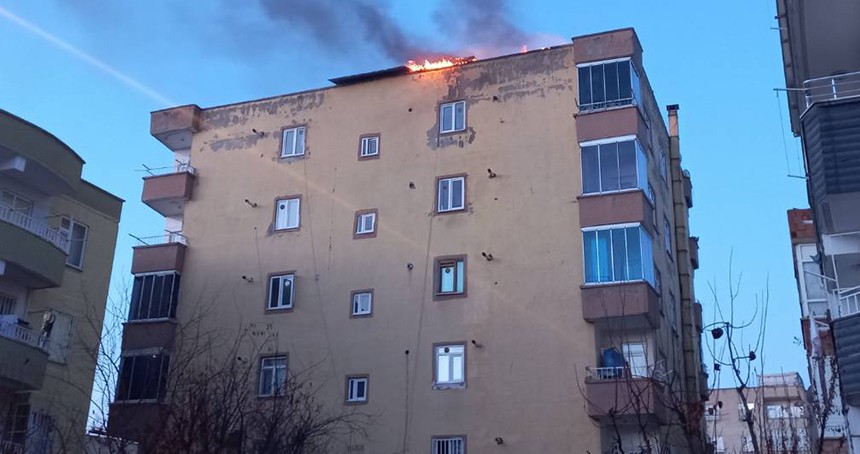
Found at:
<point>633,304</point>
<point>8,447</point>
<point>174,127</point>
<point>616,208</point>
<point>697,317</point>
<point>132,420</point>
<point>23,355</point>
<point>34,253</point>
<point>159,253</point>
<point>614,392</point>
<point>166,190</point>
<point>694,251</point>
<point>146,334</point>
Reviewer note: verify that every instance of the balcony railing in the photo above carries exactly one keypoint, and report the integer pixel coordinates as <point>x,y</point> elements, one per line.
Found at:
<point>179,167</point>
<point>831,88</point>
<point>849,301</point>
<point>165,238</point>
<point>22,334</point>
<point>35,226</point>
<point>8,447</point>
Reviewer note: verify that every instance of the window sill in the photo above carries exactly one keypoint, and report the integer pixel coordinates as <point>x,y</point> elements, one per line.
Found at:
<point>448,296</point>
<point>369,157</point>
<point>145,321</point>
<point>137,401</point>
<point>458,210</point>
<point>451,133</point>
<point>292,158</point>
<point>367,315</point>
<point>619,191</point>
<point>363,235</point>
<point>278,310</point>
<point>632,103</point>
<point>79,269</point>
<point>441,386</point>
<point>286,230</point>
<point>355,402</point>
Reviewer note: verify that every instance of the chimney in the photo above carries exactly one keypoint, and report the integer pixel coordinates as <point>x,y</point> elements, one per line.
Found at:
<point>673,119</point>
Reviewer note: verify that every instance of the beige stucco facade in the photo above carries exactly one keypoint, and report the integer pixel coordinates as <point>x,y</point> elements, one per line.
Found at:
<point>529,345</point>
<point>56,254</point>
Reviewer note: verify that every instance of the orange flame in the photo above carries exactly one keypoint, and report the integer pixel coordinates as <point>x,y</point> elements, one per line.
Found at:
<point>438,64</point>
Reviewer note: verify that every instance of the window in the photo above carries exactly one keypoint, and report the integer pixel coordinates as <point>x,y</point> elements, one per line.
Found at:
<point>673,311</point>
<point>450,364</point>
<point>56,330</point>
<point>449,445</point>
<point>608,84</point>
<point>143,377</point>
<point>18,423</point>
<point>369,147</point>
<point>362,302</point>
<point>658,281</point>
<point>451,194</point>
<point>712,413</point>
<point>784,411</point>
<point>719,445</point>
<point>365,223</point>
<point>273,375</point>
<point>813,284</point>
<point>634,355</point>
<point>618,254</point>
<point>667,235</point>
<point>293,142</point>
<point>75,234</point>
<point>287,213</point>
<point>450,276</point>
<point>8,303</point>
<point>281,291</point>
<point>610,165</point>
<point>452,116</point>
<point>743,413</point>
<point>664,167</point>
<point>16,203</point>
<point>154,296</point>
<point>356,389</point>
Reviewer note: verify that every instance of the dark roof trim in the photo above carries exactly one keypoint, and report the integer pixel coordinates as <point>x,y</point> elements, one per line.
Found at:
<point>373,75</point>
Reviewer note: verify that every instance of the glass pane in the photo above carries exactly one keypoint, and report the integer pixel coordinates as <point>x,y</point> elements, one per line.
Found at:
<point>282,215</point>
<point>646,245</point>
<point>266,376</point>
<point>597,90</point>
<point>604,252</point>
<point>589,240</point>
<point>585,86</point>
<point>642,172</point>
<point>146,297</point>
<point>619,255</point>
<point>590,170</point>
<point>814,284</point>
<point>456,193</point>
<point>157,294</point>
<point>459,116</point>
<point>624,80</point>
<point>609,167</point>
<point>289,142</point>
<point>447,120</point>
<point>135,298</point>
<point>627,165</point>
<point>442,368</point>
<point>174,299</point>
<point>443,195</point>
<point>446,278</point>
<point>634,253</point>
<point>274,286</point>
<point>369,220</point>
<point>360,389</point>
<point>461,274</point>
<point>634,84</point>
<point>286,291</point>
<point>300,141</point>
<point>293,213</point>
<point>611,77</point>
<point>457,368</point>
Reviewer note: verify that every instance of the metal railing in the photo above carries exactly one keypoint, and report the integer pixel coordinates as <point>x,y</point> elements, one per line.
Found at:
<point>830,88</point>
<point>35,226</point>
<point>165,238</point>
<point>656,371</point>
<point>8,447</point>
<point>607,373</point>
<point>179,167</point>
<point>849,301</point>
<point>22,334</point>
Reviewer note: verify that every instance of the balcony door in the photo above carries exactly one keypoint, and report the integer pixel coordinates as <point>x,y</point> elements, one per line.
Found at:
<point>637,361</point>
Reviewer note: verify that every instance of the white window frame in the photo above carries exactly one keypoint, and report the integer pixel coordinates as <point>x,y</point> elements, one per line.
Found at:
<point>449,199</point>
<point>352,389</point>
<point>448,445</point>
<point>280,278</point>
<point>641,165</point>
<point>16,199</point>
<point>635,87</point>
<point>293,148</point>
<point>271,364</point>
<point>66,232</point>
<point>443,128</point>
<point>366,150</point>
<point>646,256</point>
<point>357,303</point>
<point>8,304</point>
<point>451,357</point>
<point>636,357</point>
<point>360,225</point>
<point>458,265</point>
<point>288,222</point>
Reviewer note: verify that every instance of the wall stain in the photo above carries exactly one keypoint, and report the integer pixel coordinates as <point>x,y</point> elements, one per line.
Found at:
<point>240,114</point>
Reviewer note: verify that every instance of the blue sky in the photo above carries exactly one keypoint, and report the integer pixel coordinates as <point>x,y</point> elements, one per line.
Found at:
<point>719,60</point>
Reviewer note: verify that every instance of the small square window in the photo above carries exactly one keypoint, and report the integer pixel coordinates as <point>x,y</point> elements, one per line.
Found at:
<point>281,291</point>
<point>452,116</point>
<point>450,277</point>
<point>273,375</point>
<point>450,365</point>
<point>287,213</point>
<point>75,235</point>
<point>293,142</point>
<point>451,194</point>
<point>369,147</point>
<point>356,389</point>
<point>449,445</point>
<point>362,303</point>
<point>365,224</point>
<point>667,236</point>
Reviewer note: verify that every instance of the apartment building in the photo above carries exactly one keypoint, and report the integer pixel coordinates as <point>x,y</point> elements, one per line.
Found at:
<point>821,56</point>
<point>779,412</point>
<point>492,255</point>
<point>57,240</point>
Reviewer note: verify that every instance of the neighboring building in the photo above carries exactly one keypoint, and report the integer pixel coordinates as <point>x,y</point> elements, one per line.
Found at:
<point>821,55</point>
<point>779,412</point>
<point>817,337</point>
<point>57,240</point>
<point>466,252</point>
